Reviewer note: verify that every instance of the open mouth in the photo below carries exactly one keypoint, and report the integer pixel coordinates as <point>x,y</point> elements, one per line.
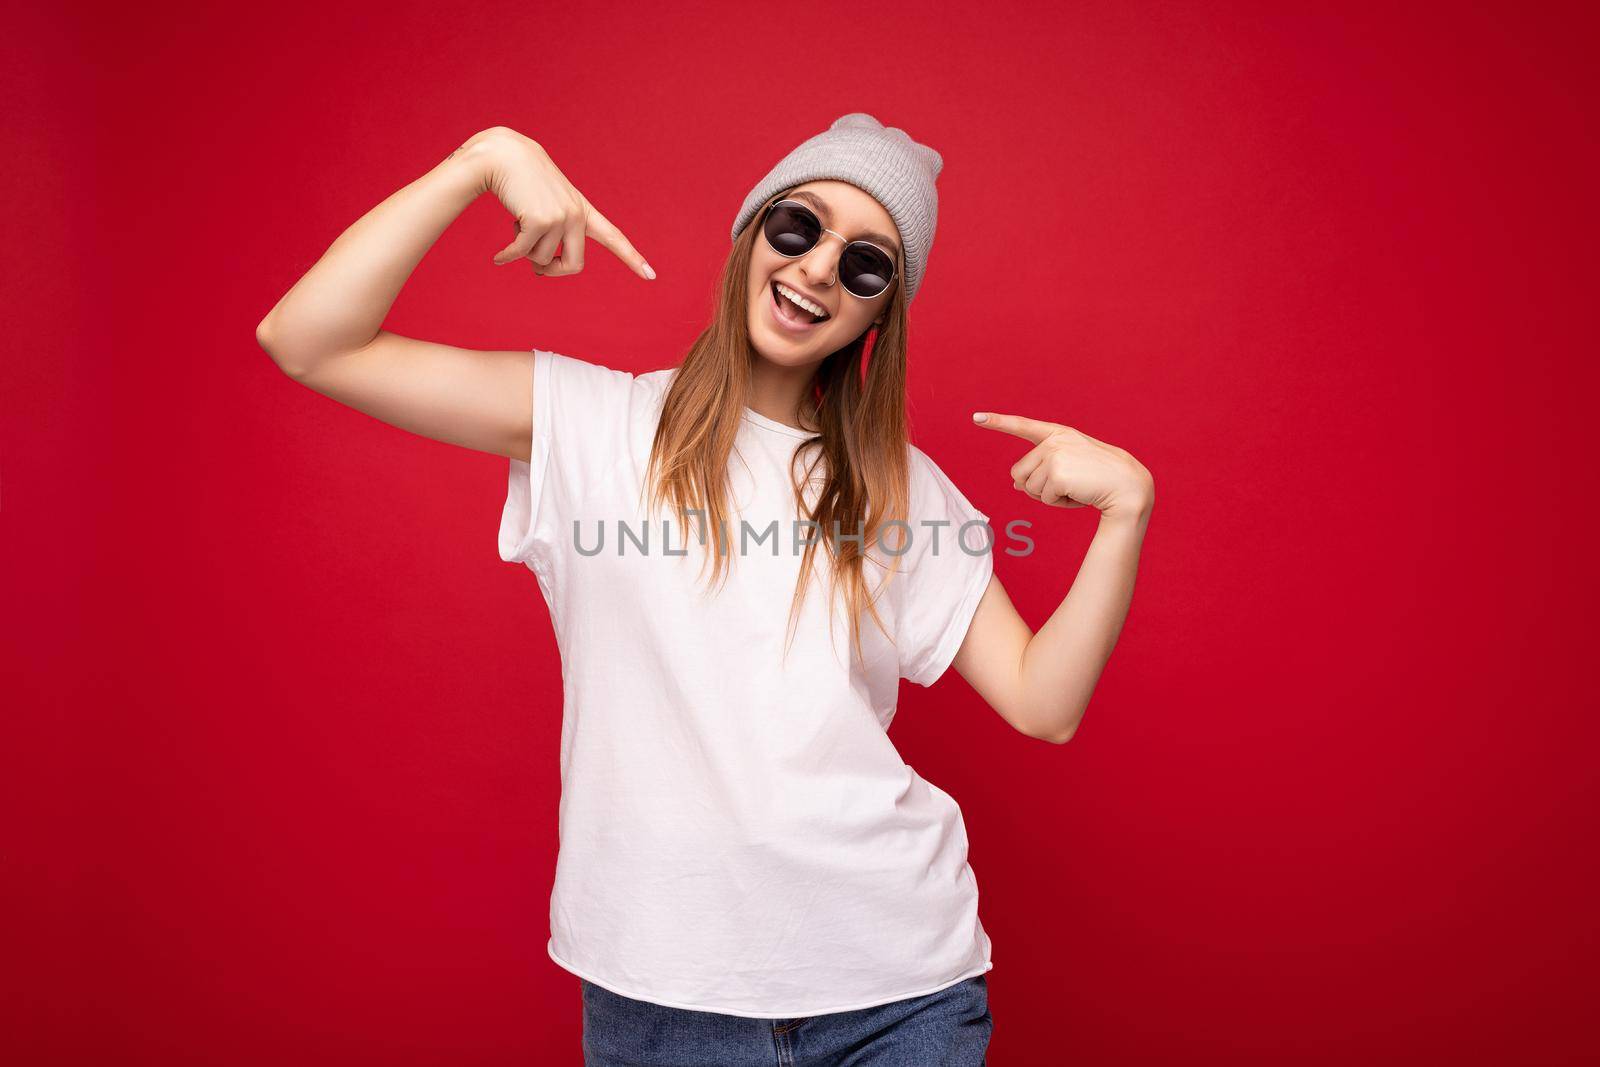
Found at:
<point>793,314</point>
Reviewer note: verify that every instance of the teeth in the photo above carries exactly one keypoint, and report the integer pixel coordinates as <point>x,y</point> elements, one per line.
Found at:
<point>796,298</point>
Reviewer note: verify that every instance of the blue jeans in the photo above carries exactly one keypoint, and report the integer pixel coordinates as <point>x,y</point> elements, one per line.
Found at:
<point>949,1028</point>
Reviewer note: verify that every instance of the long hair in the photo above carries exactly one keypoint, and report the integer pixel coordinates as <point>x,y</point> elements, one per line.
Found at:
<point>858,396</point>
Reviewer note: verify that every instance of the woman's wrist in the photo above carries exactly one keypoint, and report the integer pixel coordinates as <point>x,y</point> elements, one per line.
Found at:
<point>470,167</point>
<point>1133,518</point>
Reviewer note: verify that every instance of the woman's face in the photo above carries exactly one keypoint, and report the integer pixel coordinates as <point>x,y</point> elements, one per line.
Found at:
<point>846,209</point>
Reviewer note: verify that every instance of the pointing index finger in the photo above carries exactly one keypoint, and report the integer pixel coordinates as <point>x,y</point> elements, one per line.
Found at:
<point>1034,430</point>
<point>602,230</point>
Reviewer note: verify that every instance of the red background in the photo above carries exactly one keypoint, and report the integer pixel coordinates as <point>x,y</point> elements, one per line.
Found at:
<point>281,776</point>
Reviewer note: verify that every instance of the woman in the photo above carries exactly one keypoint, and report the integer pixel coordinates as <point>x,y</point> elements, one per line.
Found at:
<point>743,556</point>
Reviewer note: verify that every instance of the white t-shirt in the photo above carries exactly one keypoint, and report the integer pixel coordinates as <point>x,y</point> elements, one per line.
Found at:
<point>738,834</point>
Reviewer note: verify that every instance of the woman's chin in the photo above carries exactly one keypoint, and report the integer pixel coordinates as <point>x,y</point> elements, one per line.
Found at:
<point>785,357</point>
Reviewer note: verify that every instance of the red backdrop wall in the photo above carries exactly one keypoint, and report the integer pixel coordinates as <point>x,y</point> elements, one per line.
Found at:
<point>282,774</point>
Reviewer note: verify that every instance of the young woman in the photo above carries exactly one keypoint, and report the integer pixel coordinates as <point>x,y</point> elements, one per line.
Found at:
<point>742,556</point>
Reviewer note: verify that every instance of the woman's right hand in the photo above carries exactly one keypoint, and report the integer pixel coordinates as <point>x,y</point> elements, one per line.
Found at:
<point>548,211</point>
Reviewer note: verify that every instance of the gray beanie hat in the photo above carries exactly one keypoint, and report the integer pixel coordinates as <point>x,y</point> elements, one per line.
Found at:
<point>885,162</point>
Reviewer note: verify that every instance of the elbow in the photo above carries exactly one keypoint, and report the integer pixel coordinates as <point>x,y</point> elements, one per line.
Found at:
<point>1060,734</point>
<point>1055,724</point>
<point>264,338</point>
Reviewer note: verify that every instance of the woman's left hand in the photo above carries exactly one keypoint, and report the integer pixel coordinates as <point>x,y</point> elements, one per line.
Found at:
<point>1068,469</point>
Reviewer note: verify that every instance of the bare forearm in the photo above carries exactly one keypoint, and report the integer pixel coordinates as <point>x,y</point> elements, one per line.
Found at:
<point>1062,663</point>
<point>340,304</point>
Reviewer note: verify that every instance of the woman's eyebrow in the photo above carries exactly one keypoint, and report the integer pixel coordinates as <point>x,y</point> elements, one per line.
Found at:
<point>827,214</point>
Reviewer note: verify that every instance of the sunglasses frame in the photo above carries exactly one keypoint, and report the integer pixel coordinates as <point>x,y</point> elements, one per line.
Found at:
<point>894,265</point>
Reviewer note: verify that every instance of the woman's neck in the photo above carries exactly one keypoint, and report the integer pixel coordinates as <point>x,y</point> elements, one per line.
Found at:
<point>783,394</point>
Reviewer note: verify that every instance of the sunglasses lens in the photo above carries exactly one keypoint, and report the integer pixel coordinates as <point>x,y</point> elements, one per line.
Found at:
<point>791,229</point>
<point>864,270</point>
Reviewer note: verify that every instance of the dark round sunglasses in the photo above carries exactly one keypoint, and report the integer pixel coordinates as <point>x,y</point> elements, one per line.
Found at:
<point>792,229</point>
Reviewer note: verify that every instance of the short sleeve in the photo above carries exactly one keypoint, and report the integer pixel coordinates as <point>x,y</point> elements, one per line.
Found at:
<point>943,574</point>
<point>581,417</point>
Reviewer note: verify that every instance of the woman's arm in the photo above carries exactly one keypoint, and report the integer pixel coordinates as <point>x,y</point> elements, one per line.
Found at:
<point>1041,682</point>
<point>338,306</point>
<point>326,331</point>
